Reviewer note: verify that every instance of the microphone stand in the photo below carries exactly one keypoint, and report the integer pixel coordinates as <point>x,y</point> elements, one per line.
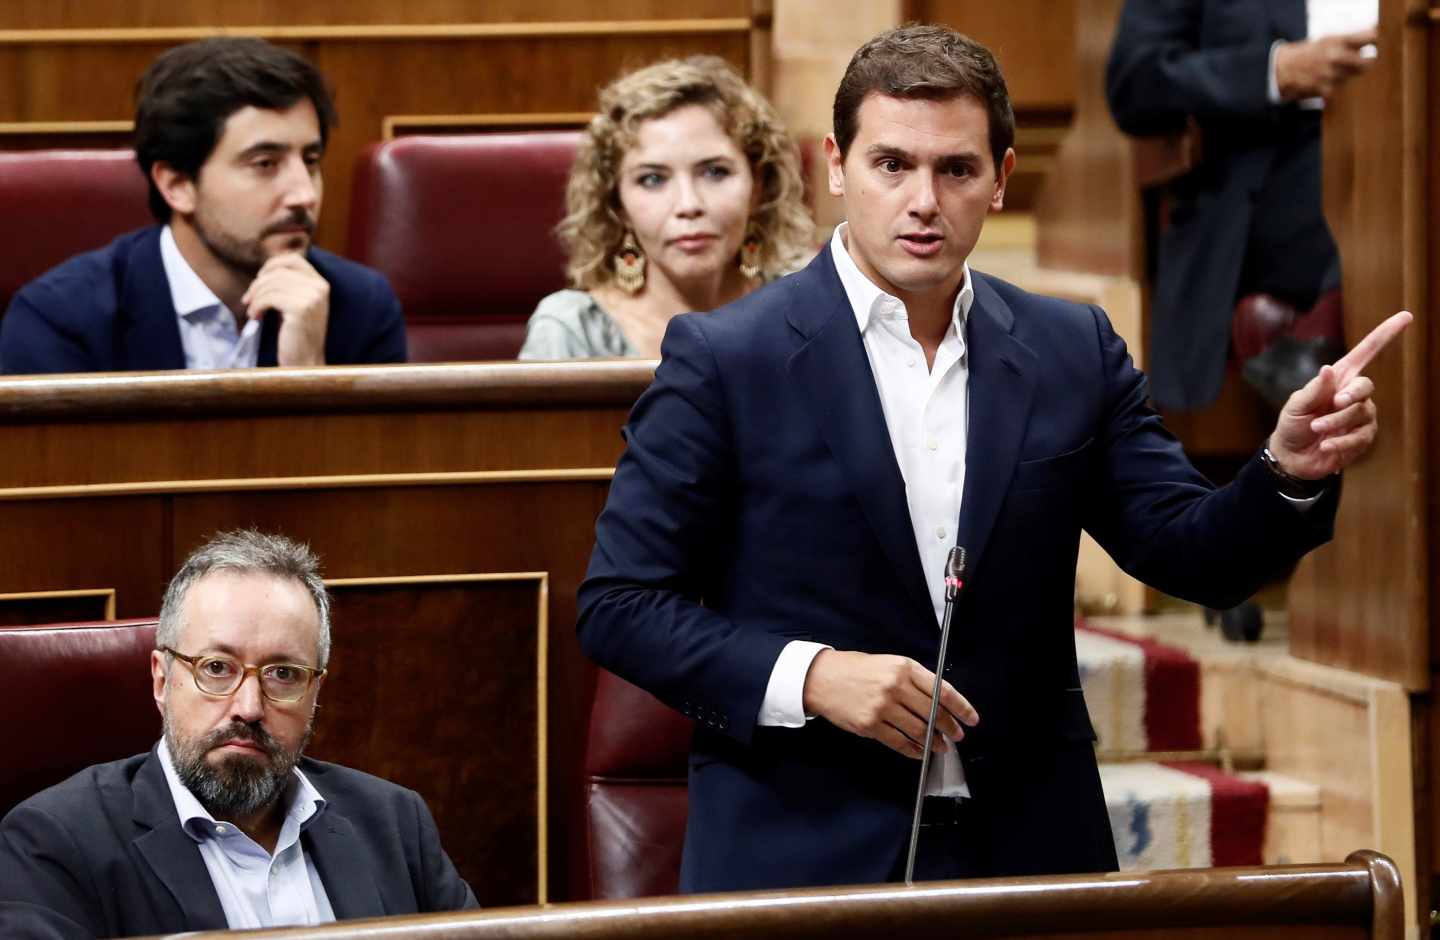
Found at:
<point>954,580</point>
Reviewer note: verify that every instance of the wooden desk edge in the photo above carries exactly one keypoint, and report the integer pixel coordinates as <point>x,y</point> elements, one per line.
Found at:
<point>323,389</point>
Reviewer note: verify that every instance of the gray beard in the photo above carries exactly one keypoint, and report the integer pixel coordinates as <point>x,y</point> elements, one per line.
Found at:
<point>239,786</point>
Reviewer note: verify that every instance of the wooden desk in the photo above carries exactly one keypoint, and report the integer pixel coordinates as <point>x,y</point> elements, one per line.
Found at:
<point>1358,899</point>
<point>453,507</point>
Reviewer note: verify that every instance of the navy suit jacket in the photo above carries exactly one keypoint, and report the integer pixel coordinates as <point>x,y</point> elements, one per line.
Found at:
<point>109,310</point>
<point>103,855</point>
<point>759,501</point>
<point>1210,60</point>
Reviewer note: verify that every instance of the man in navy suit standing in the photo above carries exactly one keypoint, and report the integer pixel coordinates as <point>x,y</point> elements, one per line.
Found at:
<point>771,556</point>
<point>229,133</point>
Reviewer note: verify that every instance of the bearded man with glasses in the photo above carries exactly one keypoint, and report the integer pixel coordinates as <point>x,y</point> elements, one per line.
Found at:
<point>223,823</point>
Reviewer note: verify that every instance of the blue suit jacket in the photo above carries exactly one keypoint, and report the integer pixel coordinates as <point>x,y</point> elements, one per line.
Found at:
<point>759,501</point>
<point>109,310</point>
<point>103,855</point>
<point>1210,60</point>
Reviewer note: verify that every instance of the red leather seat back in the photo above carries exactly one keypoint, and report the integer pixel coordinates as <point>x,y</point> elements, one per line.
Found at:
<point>73,695</point>
<point>463,226</point>
<point>57,203</point>
<point>636,760</point>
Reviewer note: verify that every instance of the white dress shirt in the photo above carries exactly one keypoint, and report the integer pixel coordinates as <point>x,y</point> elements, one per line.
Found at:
<point>926,411</point>
<point>256,888</point>
<point>207,327</point>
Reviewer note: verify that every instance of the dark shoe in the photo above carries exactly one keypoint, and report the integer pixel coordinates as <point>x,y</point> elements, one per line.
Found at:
<point>1286,365</point>
<point>1258,321</point>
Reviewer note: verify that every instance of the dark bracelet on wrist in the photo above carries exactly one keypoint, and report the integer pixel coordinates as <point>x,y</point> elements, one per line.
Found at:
<point>1292,486</point>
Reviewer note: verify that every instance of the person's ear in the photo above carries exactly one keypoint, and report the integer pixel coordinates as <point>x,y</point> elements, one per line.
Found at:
<point>1002,176</point>
<point>835,166</point>
<point>159,679</point>
<point>176,188</point>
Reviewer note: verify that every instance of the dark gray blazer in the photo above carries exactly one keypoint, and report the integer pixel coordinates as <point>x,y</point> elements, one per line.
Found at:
<point>103,855</point>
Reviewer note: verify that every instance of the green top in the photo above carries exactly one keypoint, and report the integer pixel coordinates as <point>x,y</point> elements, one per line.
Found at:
<point>569,324</point>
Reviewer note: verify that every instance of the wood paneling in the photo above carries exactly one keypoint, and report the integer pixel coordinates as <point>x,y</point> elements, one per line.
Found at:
<point>1033,40</point>
<point>77,606</point>
<point>451,707</point>
<point>1089,213</point>
<point>1363,602</point>
<point>444,470</point>
<point>100,14</point>
<point>79,62</point>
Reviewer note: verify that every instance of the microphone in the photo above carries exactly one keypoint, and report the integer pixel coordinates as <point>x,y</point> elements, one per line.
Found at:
<point>955,565</point>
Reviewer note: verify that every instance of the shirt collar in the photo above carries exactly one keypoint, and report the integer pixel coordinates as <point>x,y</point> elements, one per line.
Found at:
<point>305,802</point>
<point>187,292</point>
<point>866,297</point>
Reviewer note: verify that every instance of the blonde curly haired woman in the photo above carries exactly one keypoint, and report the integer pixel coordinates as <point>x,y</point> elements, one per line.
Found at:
<point>685,195</point>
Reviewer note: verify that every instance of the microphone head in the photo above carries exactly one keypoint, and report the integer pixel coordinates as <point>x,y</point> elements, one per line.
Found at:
<point>955,565</point>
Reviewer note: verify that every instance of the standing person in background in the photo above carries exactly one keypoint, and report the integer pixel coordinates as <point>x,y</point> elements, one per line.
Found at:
<point>1248,219</point>
<point>229,133</point>
<point>685,195</point>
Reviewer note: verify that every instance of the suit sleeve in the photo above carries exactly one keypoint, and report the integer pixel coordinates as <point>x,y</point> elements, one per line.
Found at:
<point>1168,526</point>
<point>32,342</point>
<point>45,891</point>
<point>388,344</point>
<point>662,537</point>
<point>1159,73</point>
<point>440,886</point>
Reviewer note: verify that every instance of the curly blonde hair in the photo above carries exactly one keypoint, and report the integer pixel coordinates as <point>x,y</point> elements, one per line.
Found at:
<point>592,229</point>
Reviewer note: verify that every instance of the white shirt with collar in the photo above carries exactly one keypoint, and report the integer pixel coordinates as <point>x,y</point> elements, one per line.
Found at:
<point>926,414</point>
<point>207,327</point>
<point>256,888</point>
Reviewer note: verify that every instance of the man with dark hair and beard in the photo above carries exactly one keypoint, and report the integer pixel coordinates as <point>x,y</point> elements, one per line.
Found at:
<point>223,824</point>
<point>229,133</point>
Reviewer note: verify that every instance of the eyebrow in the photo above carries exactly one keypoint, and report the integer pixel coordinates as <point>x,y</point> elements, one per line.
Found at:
<point>905,156</point>
<point>718,158</point>
<point>274,148</point>
<point>233,653</point>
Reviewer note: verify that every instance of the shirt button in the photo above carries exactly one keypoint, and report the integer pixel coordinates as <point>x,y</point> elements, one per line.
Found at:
<point>932,444</point>
<point>940,532</point>
<point>910,363</point>
<point>222,829</point>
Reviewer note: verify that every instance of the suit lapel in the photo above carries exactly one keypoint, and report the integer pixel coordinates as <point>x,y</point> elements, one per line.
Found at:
<point>1002,386</point>
<point>833,373</point>
<point>149,335</point>
<point>171,854</point>
<point>349,882</point>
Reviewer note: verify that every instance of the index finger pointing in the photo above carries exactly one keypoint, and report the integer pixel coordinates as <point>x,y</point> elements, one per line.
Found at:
<point>1355,361</point>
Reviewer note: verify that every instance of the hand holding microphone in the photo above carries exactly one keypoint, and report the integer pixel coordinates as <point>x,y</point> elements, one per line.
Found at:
<point>892,699</point>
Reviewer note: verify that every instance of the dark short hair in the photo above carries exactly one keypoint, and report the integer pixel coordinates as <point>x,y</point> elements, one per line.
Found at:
<point>187,94</point>
<point>922,61</point>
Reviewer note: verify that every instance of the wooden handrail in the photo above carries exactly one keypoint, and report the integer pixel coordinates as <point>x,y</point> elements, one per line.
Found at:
<point>326,388</point>
<point>1363,893</point>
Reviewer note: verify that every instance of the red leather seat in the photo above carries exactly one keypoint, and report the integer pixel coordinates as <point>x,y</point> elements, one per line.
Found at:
<point>464,228</point>
<point>58,203</point>
<point>74,695</point>
<point>636,760</point>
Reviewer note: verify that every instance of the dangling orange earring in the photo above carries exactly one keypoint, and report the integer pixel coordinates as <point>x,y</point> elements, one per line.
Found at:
<point>750,251</point>
<point>630,265</point>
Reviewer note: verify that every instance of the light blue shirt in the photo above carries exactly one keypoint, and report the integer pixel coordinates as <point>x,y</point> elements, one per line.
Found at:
<point>257,889</point>
<point>208,333</point>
